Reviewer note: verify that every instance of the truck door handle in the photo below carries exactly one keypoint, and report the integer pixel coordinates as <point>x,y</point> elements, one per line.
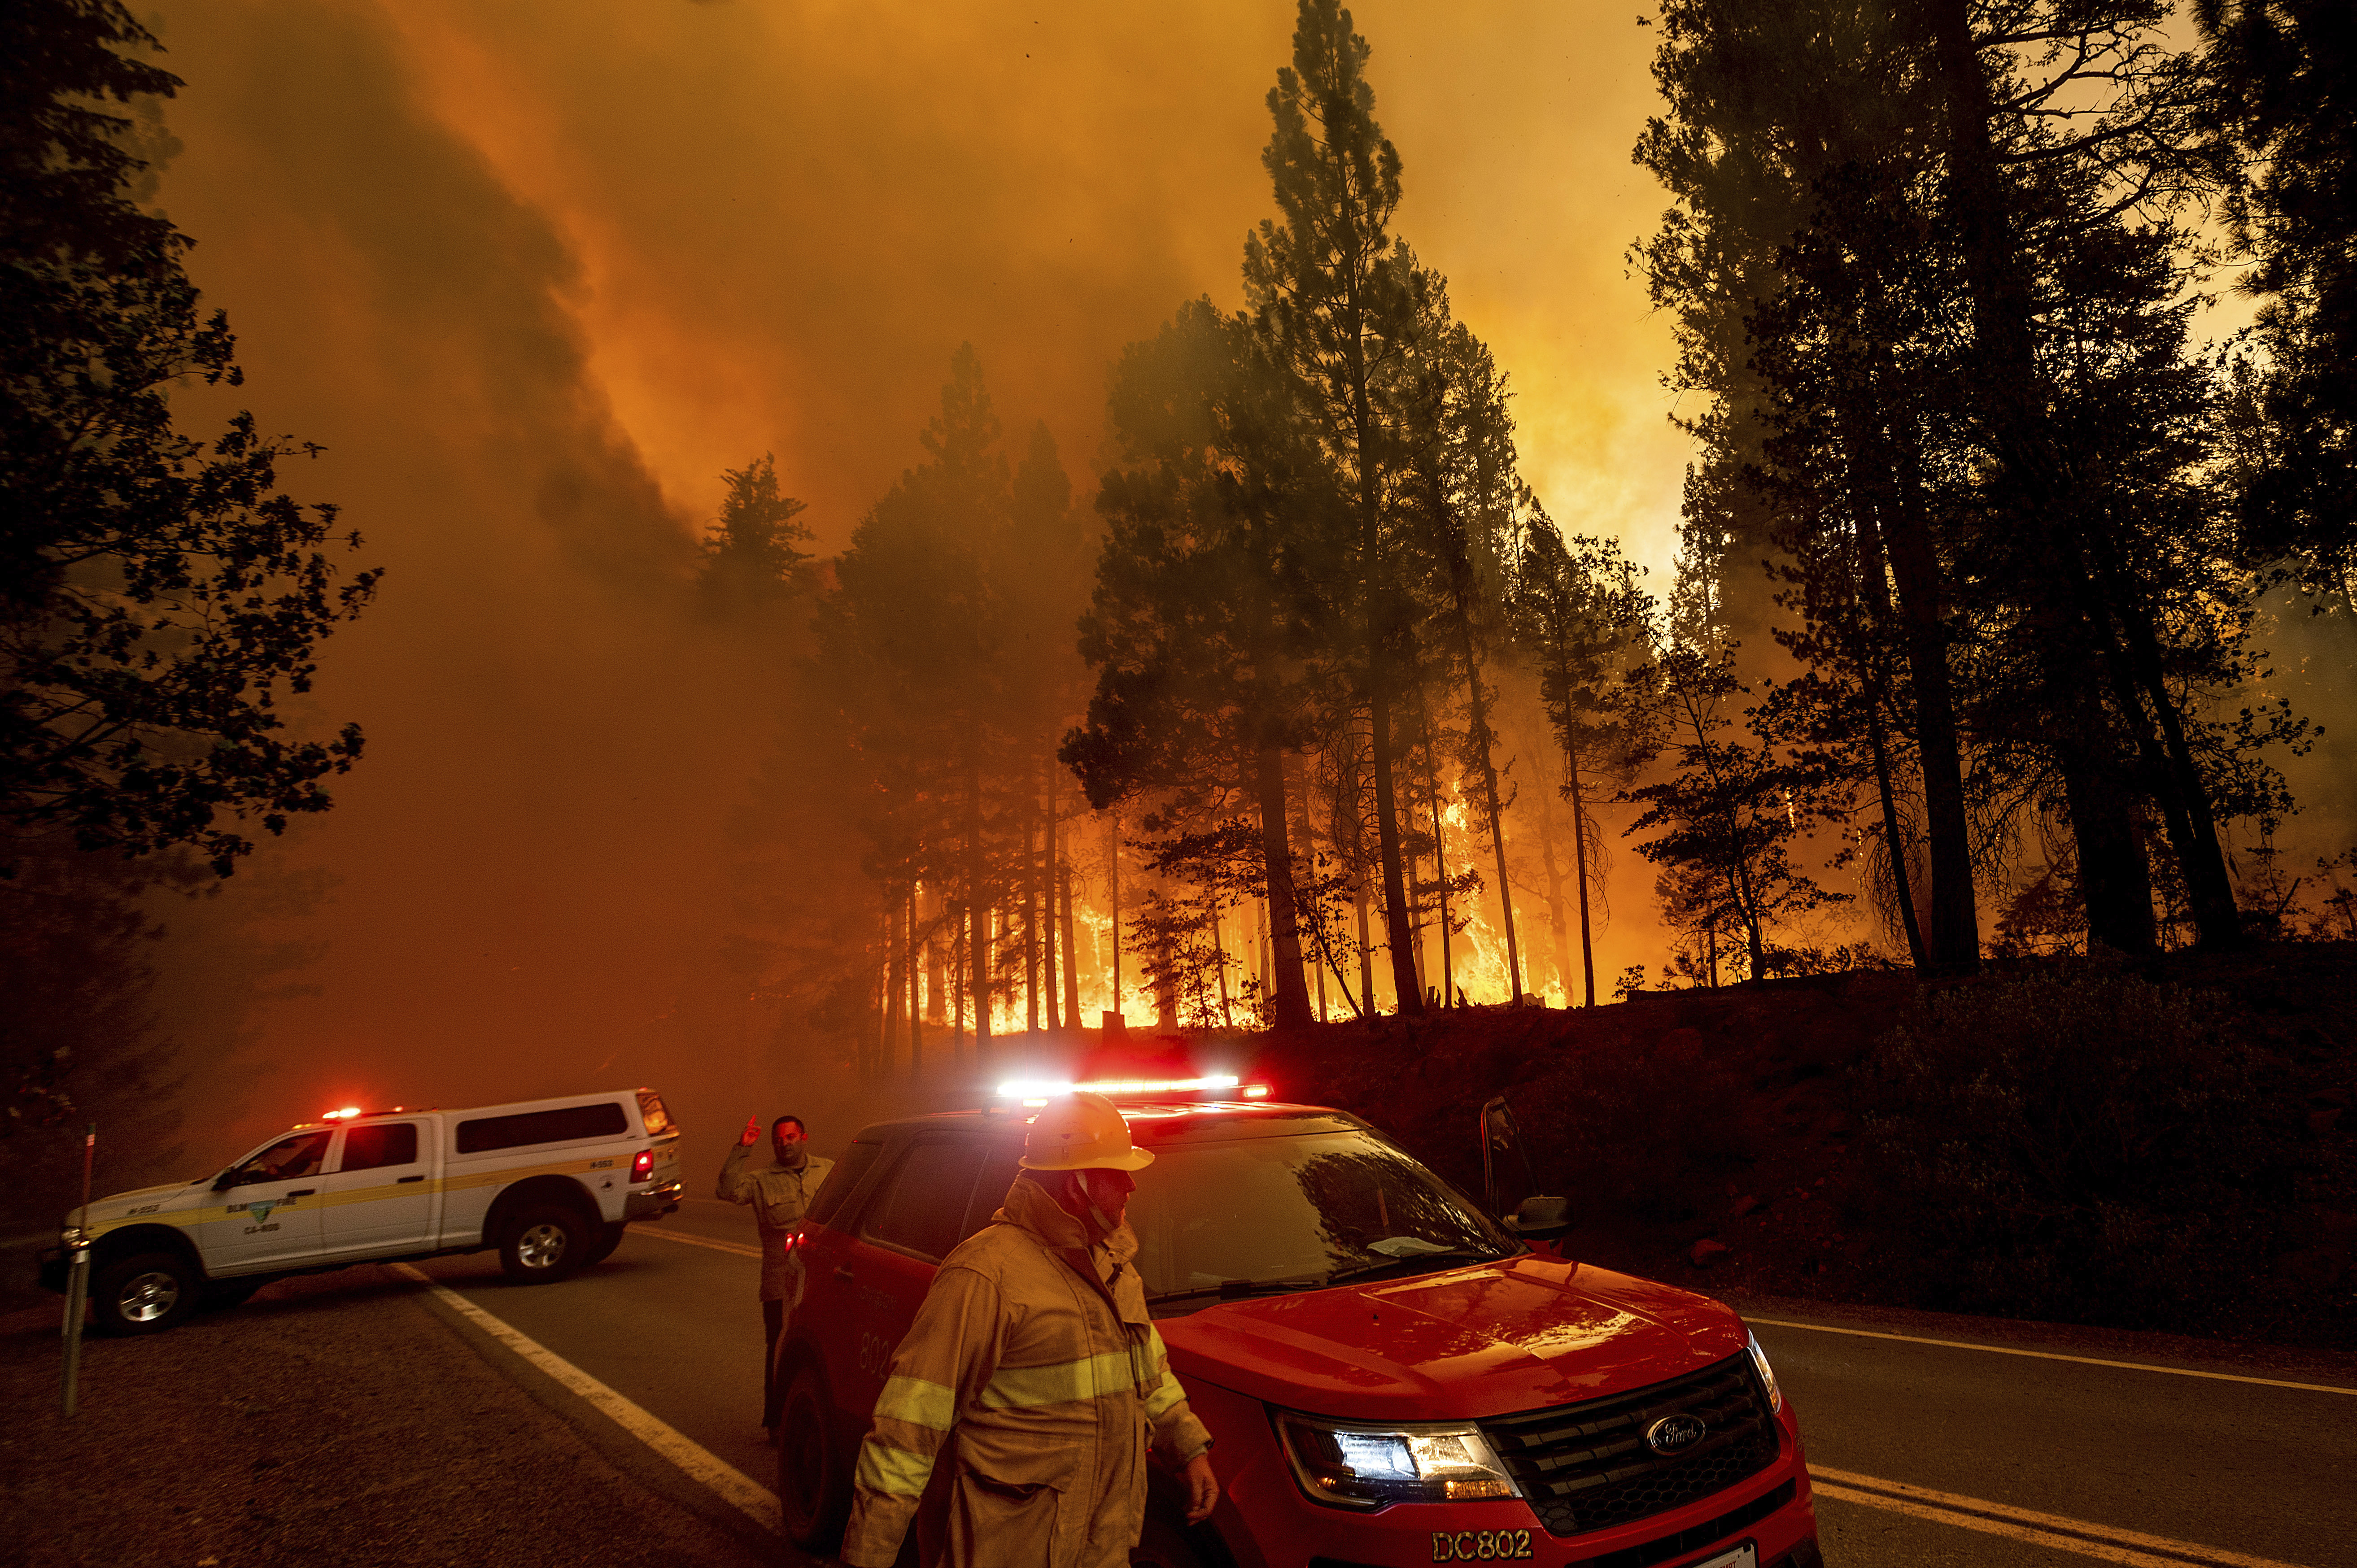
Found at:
<point>420,1176</point>
<point>841,1273</point>
<point>303,1192</point>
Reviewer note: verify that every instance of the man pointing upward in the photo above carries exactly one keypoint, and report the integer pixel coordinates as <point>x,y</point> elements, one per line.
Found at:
<point>1033,1363</point>
<point>780,1195</point>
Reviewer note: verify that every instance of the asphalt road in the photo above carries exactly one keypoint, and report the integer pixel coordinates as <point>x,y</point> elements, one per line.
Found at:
<point>671,1322</point>
<point>1926,1456</point>
<point>2208,1469</point>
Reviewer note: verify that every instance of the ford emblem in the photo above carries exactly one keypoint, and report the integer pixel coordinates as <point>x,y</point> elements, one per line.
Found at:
<point>1675,1433</point>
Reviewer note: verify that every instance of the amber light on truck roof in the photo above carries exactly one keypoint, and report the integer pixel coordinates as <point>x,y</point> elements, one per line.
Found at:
<point>1039,1090</point>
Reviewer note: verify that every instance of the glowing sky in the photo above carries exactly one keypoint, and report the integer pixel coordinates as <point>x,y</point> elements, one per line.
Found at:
<point>784,217</point>
<point>535,272</point>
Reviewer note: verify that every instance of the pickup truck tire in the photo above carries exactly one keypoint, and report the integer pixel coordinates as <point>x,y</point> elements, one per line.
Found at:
<point>814,1476</point>
<point>144,1294</point>
<point>603,1247</point>
<point>544,1243</point>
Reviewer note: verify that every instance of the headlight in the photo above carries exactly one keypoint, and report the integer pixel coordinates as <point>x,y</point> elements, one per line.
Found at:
<point>1767,1375</point>
<point>70,1236</point>
<point>1367,1466</point>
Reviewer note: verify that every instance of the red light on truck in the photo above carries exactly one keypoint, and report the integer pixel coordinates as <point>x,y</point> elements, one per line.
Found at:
<point>642,1167</point>
<point>1256,1091</point>
<point>346,1115</point>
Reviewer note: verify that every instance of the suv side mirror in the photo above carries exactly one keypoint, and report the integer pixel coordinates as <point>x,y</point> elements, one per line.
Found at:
<point>226,1180</point>
<point>1541,1217</point>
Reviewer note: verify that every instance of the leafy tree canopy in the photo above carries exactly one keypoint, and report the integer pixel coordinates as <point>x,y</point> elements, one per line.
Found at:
<point>158,596</point>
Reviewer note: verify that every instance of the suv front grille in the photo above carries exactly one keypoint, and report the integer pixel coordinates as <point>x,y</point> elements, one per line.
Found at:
<point>1585,1466</point>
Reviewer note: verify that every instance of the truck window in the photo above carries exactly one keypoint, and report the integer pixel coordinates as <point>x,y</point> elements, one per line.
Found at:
<point>286,1160</point>
<point>840,1181</point>
<point>376,1147</point>
<point>923,1206</point>
<point>604,1120</point>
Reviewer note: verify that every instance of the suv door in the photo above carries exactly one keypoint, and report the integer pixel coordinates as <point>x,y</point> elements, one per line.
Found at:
<point>903,1232</point>
<point>378,1199</point>
<point>270,1209</point>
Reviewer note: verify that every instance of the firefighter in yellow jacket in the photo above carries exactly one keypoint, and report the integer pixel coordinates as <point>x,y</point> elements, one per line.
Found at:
<point>1034,1365</point>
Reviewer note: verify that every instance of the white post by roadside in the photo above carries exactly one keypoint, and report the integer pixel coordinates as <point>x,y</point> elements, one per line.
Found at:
<point>78,1275</point>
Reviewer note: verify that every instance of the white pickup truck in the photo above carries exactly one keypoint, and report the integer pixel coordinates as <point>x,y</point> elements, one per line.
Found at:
<point>550,1182</point>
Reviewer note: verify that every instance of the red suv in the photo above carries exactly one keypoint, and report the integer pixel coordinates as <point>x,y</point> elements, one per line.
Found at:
<point>1391,1375</point>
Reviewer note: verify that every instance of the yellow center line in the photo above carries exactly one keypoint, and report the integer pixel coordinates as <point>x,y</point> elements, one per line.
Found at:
<point>2053,1356</point>
<point>741,1252</point>
<point>2104,1542</point>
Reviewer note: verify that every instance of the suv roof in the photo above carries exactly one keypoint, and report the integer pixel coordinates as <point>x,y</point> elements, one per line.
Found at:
<point>1151,1122</point>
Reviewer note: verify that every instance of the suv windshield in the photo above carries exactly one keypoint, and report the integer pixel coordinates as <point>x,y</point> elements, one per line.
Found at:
<point>1295,1213</point>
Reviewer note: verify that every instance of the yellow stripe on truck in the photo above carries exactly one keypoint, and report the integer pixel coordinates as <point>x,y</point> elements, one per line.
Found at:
<point>185,1218</point>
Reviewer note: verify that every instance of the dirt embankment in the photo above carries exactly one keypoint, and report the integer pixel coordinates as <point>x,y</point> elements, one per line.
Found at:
<point>2162,1146</point>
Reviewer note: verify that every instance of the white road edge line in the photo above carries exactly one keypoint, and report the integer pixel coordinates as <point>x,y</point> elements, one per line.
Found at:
<point>700,1241</point>
<point>2107,1543</point>
<point>699,1463</point>
<point>2055,1355</point>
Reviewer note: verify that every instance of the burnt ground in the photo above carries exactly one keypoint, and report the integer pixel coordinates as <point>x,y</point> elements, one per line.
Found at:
<point>1713,1138</point>
<point>329,1419</point>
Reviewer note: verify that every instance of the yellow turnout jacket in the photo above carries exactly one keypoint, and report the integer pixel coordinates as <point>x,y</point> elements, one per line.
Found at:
<point>1045,1385</point>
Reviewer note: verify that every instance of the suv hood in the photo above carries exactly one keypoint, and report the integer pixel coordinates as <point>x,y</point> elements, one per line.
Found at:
<point>1487,1340</point>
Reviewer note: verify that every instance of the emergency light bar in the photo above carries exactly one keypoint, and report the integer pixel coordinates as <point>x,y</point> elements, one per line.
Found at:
<point>346,1115</point>
<point>1031,1089</point>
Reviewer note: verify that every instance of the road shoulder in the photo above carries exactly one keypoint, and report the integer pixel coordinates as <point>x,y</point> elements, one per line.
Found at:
<point>340,1408</point>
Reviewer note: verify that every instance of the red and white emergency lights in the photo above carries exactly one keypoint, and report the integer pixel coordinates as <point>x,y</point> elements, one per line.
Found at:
<point>1039,1090</point>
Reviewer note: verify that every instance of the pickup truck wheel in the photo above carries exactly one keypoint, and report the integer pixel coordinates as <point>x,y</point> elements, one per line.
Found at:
<point>145,1293</point>
<point>545,1243</point>
<point>814,1479</point>
<point>603,1247</point>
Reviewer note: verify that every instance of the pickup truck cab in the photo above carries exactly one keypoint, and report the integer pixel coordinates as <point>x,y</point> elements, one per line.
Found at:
<point>551,1184</point>
<point>1390,1375</point>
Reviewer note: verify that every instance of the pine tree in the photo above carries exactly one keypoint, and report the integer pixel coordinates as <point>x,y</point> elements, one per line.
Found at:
<point>1197,617</point>
<point>1584,623</point>
<point>1334,304</point>
<point>2283,69</point>
<point>753,563</point>
<point>159,598</point>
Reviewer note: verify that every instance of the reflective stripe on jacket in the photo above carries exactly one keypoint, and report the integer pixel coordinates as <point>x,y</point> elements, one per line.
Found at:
<point>780,1199</point>
<point>1053,1385</point>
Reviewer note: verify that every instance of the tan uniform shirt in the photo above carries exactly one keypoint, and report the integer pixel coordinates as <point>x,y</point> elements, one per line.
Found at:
<point>780,1199</point>
<point>1046,1388</point>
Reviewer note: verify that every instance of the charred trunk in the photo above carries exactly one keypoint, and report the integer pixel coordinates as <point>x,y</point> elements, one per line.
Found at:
<point>1291,999</point>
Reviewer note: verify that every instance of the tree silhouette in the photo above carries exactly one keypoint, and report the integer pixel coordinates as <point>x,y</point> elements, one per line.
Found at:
<point>1334,303</point>
<point>2283,68</point>
<point>158,596</point>
<point>753,562</point>
<point>1197,625</point>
